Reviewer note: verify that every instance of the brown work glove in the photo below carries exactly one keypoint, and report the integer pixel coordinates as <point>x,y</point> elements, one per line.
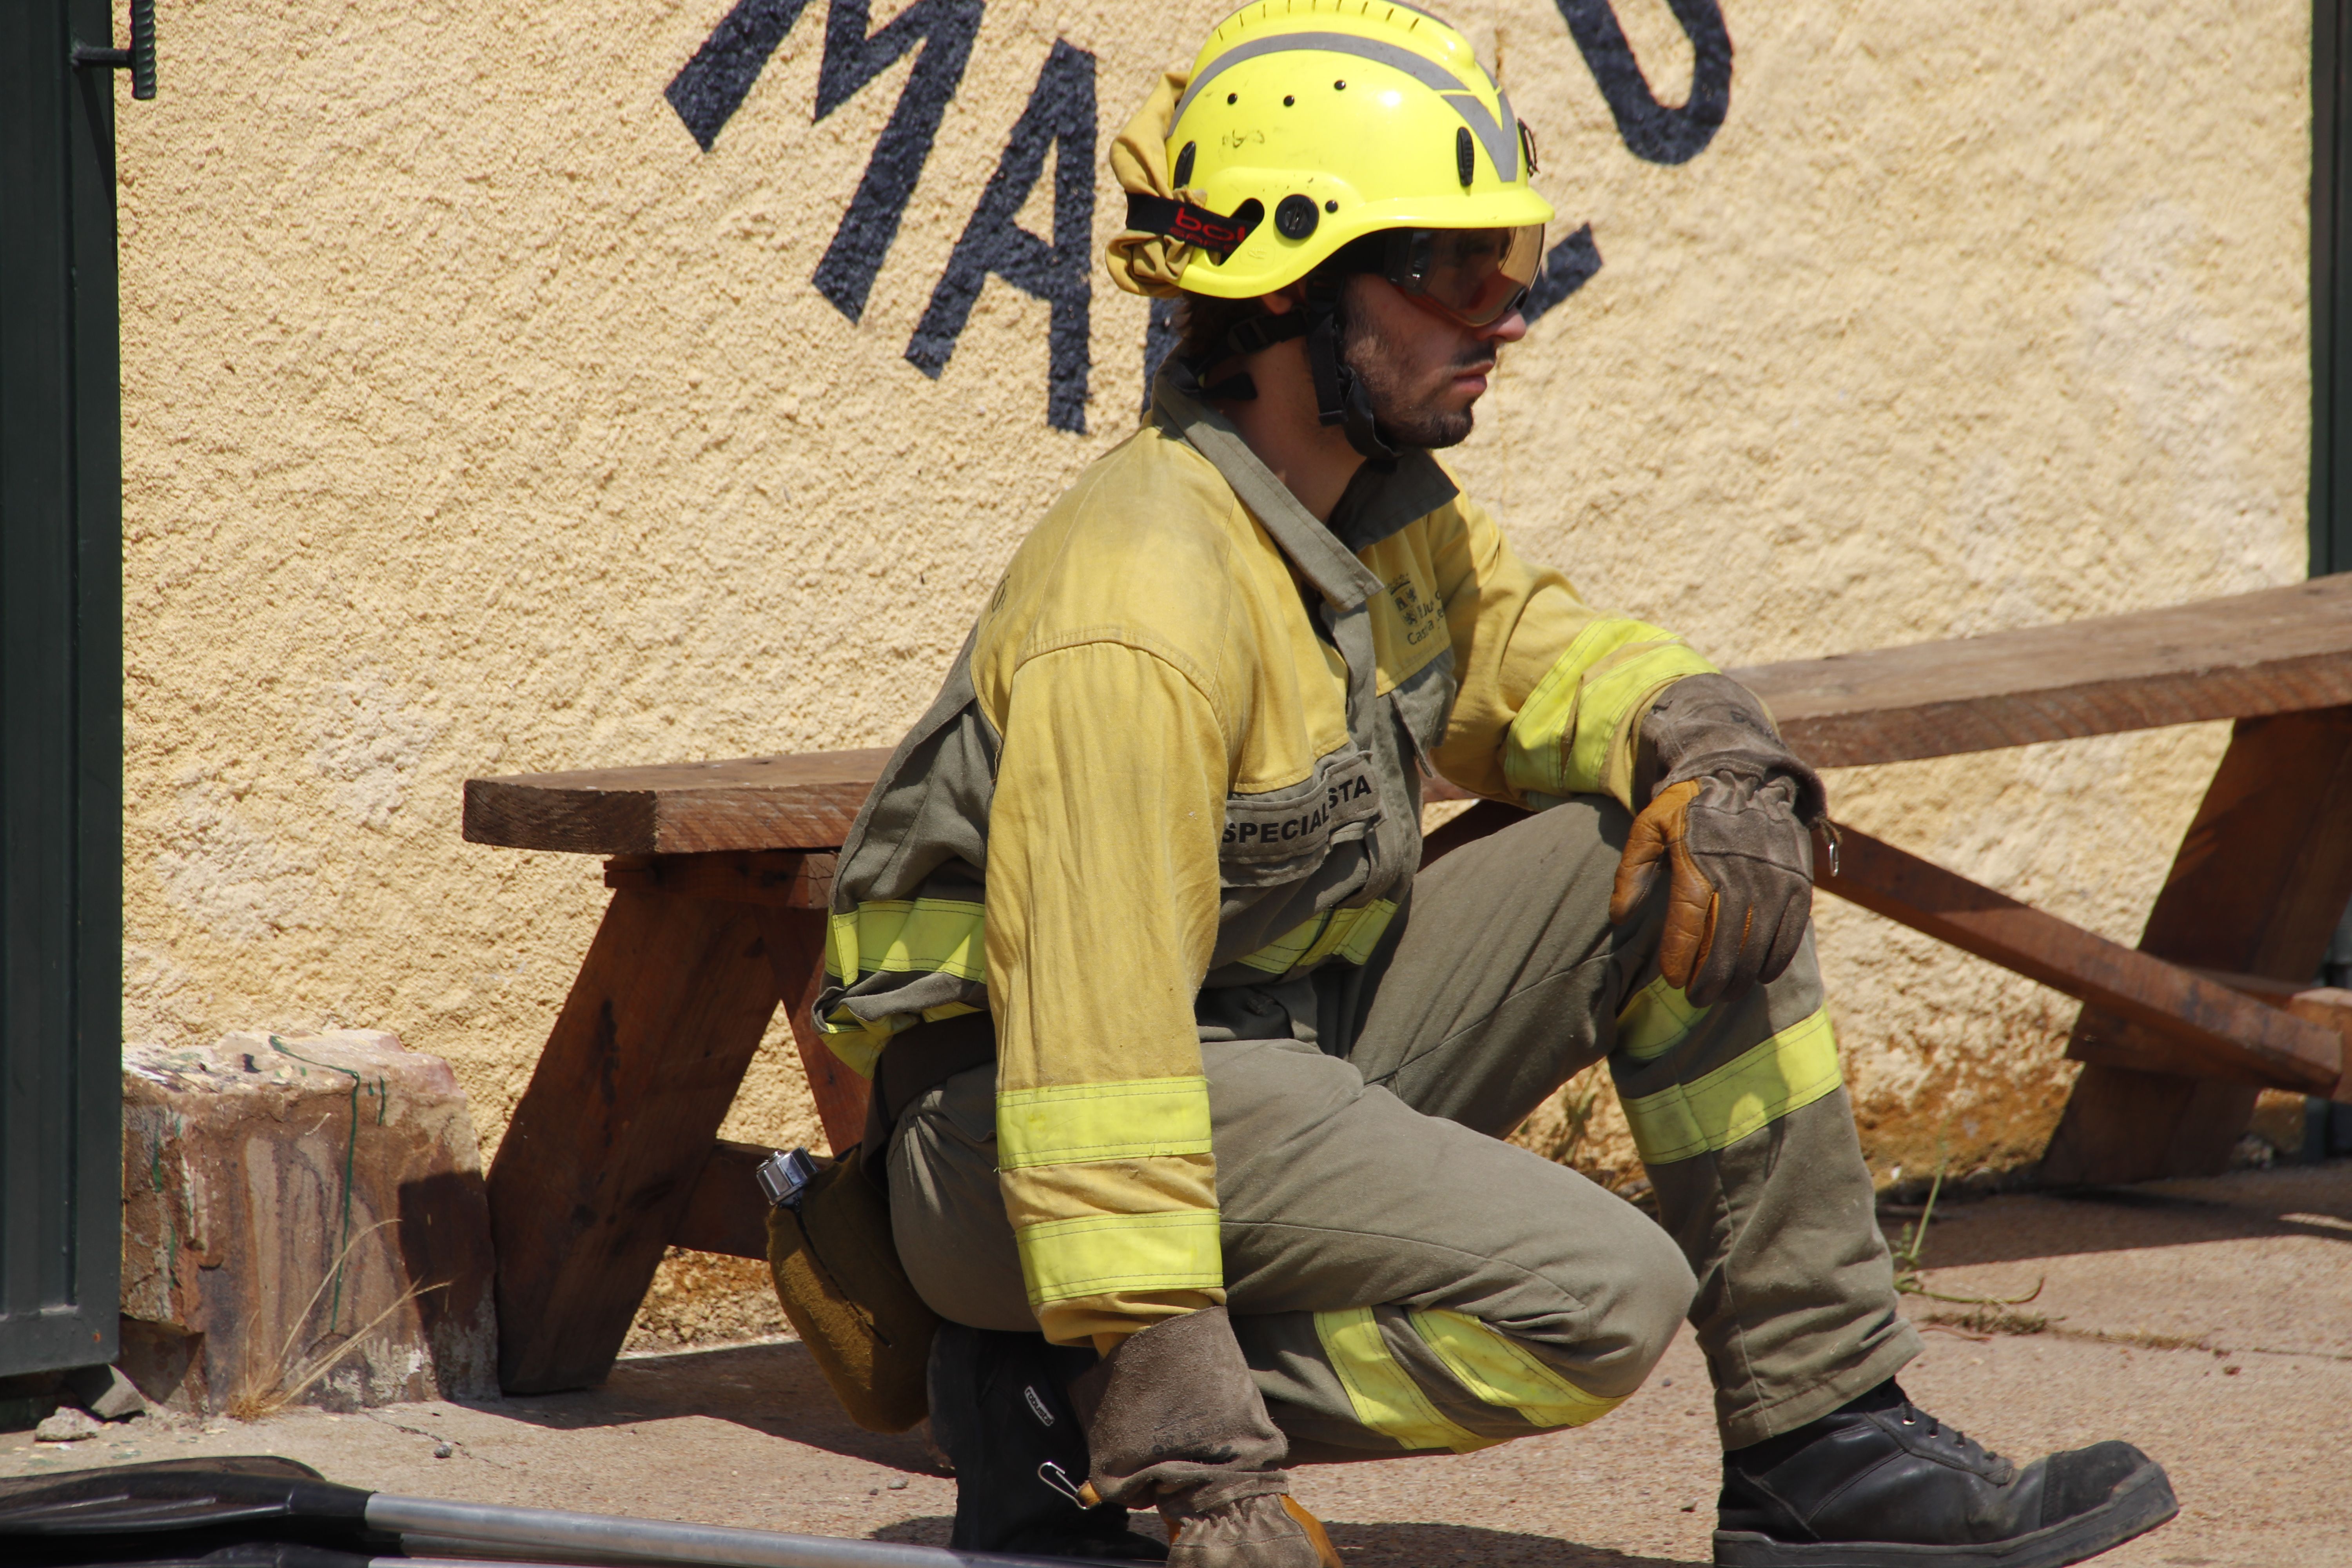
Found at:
<point>1173,1417</point>
<point>1728,825</point>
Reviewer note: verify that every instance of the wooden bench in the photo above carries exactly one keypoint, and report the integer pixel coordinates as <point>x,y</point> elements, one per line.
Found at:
<point>720,874</point>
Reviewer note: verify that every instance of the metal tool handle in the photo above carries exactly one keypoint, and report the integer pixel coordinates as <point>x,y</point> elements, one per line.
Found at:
<point>433,1528</point>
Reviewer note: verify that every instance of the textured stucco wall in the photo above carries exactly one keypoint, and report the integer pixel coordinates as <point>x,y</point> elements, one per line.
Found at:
<point>478,420</point>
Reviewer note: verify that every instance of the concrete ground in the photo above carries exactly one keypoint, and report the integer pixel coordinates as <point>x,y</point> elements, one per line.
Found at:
<point>2208,1321</point>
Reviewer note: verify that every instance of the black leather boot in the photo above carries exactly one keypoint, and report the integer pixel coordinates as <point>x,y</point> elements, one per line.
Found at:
<point>999,1412</point>
<point>1880,1483</point>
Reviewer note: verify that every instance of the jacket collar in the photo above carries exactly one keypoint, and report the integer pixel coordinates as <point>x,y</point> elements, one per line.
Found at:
<point>1374,506</point>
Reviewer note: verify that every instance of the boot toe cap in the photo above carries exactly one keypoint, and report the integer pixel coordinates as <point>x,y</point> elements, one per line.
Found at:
<point>2083,1479</point>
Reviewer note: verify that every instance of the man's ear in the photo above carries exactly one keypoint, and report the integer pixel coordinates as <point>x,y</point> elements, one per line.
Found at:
<point>1282,302</point>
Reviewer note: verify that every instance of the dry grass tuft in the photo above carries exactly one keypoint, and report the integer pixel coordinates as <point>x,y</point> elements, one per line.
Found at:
<point>1984,1322</point>
<point>272,1387</point>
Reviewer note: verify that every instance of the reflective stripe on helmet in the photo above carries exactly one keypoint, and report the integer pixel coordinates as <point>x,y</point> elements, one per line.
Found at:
<point>1501,141</point>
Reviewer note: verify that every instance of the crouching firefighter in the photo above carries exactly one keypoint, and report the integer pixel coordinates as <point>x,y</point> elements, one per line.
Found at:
<point>1192,1092</point>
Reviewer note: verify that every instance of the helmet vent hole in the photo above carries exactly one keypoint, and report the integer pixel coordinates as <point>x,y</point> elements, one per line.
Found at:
<point>1233,98</point>
<point>1330,206</point>
<point>1339,86</point>
<point>1185,164</point>
<point>1464,153</point>
<point>1287,100</point>
<point>1295,217</point>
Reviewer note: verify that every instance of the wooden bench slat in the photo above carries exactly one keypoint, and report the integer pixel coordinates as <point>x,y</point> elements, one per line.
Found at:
<point>2275,651</point>
<point>2278,650</point>
<point>2225,1034</point>
<point>805,802</point>
<point>782,879</point>
<point>725,1212</point>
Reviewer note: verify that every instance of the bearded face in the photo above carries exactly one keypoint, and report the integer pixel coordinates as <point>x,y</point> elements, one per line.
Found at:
<point>1423,369</point>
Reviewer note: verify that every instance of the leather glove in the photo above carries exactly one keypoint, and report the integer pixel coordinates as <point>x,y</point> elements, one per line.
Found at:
<point>1172,1416</point>
<point>1729,827</point>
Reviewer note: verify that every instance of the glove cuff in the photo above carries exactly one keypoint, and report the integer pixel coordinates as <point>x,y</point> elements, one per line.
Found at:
<point>1705,725</point>
<point>1173,1416</point>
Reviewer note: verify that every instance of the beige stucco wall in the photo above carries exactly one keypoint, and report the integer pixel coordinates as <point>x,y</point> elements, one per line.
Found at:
<point>476,421</point>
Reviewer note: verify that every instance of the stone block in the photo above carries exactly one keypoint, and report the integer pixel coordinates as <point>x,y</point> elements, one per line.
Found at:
<point>304,1222</point>
<point>105,1393</point>
<point>68,1425</point>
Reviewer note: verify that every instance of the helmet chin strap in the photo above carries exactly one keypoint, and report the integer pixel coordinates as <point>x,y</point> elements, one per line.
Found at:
<point>1339,395</point>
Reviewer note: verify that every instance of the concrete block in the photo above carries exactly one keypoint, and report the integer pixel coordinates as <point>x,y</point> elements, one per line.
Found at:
<point>303,1223</point>
<point>105,1393</point>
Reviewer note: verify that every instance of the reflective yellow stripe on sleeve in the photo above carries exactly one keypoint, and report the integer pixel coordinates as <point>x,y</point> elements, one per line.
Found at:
<point>1129,1119</point>
<point>1501,1370</point>
<point>1561,742</point>
<point>859,1043</point>
<point>906,936</point>
<point>1383,1395</point>
<point>1658,1018</point>
<point>1066,1259</point>
<point>1788,1072</point>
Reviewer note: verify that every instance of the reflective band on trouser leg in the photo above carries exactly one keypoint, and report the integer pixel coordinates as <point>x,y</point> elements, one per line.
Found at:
<point>1658,1018</point>
<point>1129,1119</point>
<point>1110,1254</point>
<point>1385,1397</point>
<point>1787,1073</point>
<point>1501,1370</point>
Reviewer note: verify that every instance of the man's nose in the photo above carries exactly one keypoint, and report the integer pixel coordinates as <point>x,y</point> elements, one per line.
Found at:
<point>1508,327</point>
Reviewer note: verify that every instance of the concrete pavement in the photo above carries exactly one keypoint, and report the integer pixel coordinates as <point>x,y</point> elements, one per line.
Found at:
<point>2208,1321</point>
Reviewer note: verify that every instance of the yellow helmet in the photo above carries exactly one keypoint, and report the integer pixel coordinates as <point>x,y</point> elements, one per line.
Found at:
<point>1307,125</point>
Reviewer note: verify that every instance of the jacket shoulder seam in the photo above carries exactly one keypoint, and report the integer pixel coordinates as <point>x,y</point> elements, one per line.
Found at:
<point>1117,634</point>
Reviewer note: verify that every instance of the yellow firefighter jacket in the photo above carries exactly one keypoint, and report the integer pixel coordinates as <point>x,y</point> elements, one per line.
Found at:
<point>1184,746</point>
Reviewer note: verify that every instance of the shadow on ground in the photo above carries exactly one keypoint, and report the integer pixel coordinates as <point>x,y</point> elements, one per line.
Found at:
<point>2312,1201</point>
<point>1425,1545</point>
<point>771,1388</point>
<point>1398,1546</point>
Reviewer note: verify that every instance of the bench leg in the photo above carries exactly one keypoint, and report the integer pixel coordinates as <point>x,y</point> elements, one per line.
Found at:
<point>2257,886</point>
<point>596,1167</point>
<point>796,945</point>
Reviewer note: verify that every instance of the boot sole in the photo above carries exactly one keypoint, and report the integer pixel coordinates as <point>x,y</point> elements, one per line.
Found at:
<point>2141,1501</point>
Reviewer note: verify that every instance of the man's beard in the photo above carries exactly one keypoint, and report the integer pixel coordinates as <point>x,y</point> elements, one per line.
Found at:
<point>1404,423</point>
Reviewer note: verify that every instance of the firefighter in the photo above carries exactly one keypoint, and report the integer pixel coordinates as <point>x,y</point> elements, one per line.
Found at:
<point>1194,1085</point>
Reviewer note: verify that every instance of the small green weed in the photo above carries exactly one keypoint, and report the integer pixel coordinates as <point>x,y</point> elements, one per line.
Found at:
<point>1909,1264</point>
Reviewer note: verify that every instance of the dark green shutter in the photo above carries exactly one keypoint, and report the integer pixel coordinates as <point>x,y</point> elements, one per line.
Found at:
<point>2331,292</point>
<point>60,694</point>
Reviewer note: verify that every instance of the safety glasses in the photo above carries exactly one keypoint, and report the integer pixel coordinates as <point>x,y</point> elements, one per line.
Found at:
<point>1475,276</point>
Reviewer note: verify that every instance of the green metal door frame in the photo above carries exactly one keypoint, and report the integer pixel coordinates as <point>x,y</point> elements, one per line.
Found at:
<point>2331,289</point>
<point>60,694</point>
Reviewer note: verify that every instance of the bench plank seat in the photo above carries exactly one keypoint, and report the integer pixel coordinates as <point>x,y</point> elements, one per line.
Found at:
<point>2275,651</point>
<point>804,802</point>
